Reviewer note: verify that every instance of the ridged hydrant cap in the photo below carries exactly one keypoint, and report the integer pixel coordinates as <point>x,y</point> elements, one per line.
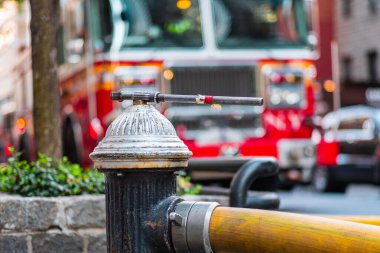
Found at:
<point>140,138</point>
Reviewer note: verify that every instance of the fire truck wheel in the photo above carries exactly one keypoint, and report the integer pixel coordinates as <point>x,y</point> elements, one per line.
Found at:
<point>323,181</point>
<point>24,147</point>
<point>71,137</point>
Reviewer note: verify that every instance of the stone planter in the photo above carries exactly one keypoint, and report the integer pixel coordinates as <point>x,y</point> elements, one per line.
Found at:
<point>74,224</point>
<point>63,224</point>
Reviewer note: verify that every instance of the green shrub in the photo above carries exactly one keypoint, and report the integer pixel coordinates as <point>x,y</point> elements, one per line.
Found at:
<point>43,179</point>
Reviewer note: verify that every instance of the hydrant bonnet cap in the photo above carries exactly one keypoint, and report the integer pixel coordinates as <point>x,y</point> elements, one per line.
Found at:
<point>140,137</point>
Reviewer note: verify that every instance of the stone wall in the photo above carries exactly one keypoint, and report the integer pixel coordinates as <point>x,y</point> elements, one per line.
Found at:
<point>64,224</point>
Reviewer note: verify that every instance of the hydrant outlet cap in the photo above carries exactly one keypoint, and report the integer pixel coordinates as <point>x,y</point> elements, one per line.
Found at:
<point>140,138</point>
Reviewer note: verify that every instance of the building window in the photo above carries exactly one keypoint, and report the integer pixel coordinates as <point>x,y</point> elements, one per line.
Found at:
<point>347,69</point>
<point>373,6</point>
<point>346,8</point>
<point>372,66</point>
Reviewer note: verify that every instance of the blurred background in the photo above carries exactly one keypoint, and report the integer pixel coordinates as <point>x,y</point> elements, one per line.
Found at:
<point>315,62</point>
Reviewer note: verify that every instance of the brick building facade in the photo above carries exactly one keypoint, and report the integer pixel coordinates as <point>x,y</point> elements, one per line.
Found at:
<point>323,63</point>
<point>357,31</point>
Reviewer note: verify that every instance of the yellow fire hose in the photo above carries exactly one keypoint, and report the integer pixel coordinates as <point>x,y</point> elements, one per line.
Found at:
<point>248,230</point>
<point>370,220</point>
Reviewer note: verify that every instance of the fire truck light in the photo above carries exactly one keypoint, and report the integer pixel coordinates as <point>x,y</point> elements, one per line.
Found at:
<point>147,81</point>
<point>20,125</point>
<point>275,99</point>
<point>9,150</point>
<point>168,74</point>
<point>183,4</point>
<point>277,78</point>
<point>293,98</point>
<point>143,81</point>
<point>129,82</point>
<point>329,86</point>
<point>290,78</point>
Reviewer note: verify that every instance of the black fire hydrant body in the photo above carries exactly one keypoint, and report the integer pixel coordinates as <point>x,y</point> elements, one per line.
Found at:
<point>140,156</point>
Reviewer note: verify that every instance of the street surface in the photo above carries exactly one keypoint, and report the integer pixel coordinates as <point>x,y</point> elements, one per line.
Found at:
<point>358,200</point>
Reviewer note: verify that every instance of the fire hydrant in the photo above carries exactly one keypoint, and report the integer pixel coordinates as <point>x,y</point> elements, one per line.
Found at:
<point>140,156</point>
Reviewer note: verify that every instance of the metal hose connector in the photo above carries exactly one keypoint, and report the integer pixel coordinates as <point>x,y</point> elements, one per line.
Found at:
<point>190,224</point>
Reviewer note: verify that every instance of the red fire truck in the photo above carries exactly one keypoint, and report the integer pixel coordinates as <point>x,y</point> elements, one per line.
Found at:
<point>81,126</point>
<point>218,47</point>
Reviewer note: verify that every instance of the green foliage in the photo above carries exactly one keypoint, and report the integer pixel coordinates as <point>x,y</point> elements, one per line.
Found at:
<point>43,179</point>
<point>185,187</point>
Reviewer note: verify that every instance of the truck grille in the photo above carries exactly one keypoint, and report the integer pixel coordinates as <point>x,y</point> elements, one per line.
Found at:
<point>214,80</point>
<point>218,81</point>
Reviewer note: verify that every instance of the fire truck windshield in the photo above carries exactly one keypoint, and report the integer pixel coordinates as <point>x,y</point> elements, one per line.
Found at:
<point>161,23</point>
<point>237,24</point>
<point>259,23</point>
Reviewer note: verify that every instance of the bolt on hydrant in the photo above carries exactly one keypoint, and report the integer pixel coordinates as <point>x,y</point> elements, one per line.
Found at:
<point>140,156</point>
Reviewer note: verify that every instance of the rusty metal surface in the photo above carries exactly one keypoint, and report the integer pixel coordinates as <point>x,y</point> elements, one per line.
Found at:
<point>130,199</point>
<point>140,137</point>
<point>157,224</point>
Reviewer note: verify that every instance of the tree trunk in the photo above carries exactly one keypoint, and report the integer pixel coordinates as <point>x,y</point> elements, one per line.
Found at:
<point>46,98</point>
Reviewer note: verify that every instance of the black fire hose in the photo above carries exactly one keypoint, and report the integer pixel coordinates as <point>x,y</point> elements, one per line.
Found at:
<point>243,180</point>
